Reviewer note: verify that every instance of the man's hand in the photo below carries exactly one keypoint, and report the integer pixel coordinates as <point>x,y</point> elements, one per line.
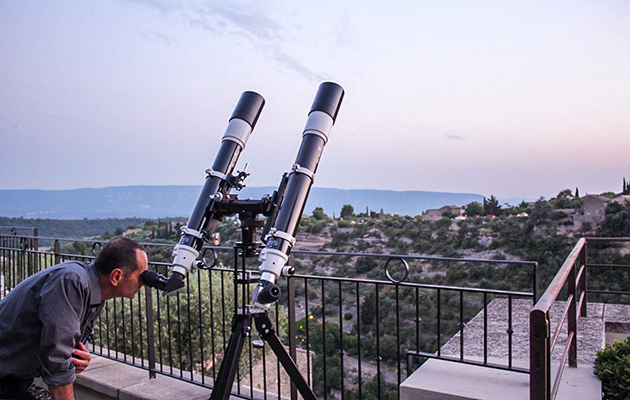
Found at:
<point>80,358</point>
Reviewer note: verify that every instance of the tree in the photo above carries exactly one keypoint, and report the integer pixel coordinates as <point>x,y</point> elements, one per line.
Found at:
<point>577,193</point>
<point>347,211</point>
<point>319,214</point>
<point>473,208</point>
<point>563,199</point>
<point>491,206</point>
<point>541,211</point>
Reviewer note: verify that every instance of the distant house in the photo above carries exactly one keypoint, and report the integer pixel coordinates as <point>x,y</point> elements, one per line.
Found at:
<point>434,215</point>
<point>594,208</point>
<point>132,231</point>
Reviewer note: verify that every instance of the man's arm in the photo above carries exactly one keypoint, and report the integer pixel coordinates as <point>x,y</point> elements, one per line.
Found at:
<point>65,392</point>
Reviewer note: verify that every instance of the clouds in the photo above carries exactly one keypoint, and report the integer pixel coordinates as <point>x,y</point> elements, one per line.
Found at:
<point>455,137</point>
<point>154,35</point>
<point>249,20</point>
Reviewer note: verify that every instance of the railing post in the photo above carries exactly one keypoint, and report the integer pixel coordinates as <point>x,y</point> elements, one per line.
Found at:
<point>36,248</point>
<point>150,322</point>
<point>292,327</point>
<point>538,355</point>
<point>572,317</point>
<point>583,285</point>
<point>23,264</point>
<point>57,251</point>
<point>536,283</point>
<point>150,332</point>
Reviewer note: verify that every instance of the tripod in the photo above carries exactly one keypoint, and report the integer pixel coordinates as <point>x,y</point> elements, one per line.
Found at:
<point>242,323</point>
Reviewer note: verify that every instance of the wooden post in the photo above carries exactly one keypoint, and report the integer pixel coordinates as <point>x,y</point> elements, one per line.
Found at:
<point>538,355</point>
<point>572,317</point>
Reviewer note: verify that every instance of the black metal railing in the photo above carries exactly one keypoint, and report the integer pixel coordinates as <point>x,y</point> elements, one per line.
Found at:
<point>353,336</point>
<point>543,341</point>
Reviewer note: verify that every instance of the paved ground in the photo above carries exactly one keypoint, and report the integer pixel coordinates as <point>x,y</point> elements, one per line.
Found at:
<point>438,379</point>
<point>590,331</point>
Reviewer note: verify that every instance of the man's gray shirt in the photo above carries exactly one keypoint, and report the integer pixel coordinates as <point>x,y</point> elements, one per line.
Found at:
<point>43,318</point>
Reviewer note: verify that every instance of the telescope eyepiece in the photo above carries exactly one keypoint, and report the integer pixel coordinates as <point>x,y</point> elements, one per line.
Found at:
<point>154,280</point>
<point>267,293</point>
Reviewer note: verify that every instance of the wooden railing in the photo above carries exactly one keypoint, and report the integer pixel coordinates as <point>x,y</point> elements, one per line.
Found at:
<point>573,274</point>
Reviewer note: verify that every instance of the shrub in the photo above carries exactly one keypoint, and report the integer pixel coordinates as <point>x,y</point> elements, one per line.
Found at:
<point>612,366</point>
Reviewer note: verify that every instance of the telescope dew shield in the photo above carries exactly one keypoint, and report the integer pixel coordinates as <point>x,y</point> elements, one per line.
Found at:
<point>204,218</point>
<point>281,237</point>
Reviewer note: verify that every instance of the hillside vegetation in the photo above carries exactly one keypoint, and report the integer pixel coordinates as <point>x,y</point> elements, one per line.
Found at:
<point>543,231</point>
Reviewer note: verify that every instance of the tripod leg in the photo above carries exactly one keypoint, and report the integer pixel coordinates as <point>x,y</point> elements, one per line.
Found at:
<point>241,325</point>
<point>264,327</point>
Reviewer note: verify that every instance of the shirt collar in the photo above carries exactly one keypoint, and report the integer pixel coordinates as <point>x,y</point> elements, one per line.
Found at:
<point>95,280</point>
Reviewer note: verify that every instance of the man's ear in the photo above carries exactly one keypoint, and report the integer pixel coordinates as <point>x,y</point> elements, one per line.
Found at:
<point>115,276</point>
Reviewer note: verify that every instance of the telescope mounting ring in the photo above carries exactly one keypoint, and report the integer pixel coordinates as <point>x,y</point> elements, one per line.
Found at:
<point>216,174</point>
<point>298,169</point>
<point>273,232</point>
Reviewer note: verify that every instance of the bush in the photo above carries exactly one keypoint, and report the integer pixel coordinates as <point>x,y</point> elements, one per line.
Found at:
<point>612,366</point>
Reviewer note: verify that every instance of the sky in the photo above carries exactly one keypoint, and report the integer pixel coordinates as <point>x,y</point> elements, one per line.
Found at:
<point>505,98</point>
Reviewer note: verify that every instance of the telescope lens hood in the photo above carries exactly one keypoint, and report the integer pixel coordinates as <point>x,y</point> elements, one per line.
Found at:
<point>328,99</point>
<point>249,108</point>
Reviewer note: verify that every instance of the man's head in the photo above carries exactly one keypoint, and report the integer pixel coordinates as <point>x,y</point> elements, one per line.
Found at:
<point>120,263</point>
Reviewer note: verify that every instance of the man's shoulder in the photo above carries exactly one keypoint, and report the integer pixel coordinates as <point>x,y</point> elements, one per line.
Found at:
<point>73,270</point>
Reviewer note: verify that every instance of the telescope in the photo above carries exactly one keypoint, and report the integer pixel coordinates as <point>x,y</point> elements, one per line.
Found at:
<point>280,237</point>
<point>219,182</point>
<point>283,210</point>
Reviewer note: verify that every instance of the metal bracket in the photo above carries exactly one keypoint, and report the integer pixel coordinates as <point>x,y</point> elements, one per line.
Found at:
<point>273,232</point>
<point>298,169</point>
<point>189,231</point>
<point>216,174</point>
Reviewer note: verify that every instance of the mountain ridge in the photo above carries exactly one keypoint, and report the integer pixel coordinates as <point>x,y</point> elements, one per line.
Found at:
<point>152,201</point>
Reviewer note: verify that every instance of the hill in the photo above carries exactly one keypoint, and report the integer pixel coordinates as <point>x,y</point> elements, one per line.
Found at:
<point>178,201</point>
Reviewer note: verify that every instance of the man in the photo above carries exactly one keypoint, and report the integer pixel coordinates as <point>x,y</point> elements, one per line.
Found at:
<point>46,320</point>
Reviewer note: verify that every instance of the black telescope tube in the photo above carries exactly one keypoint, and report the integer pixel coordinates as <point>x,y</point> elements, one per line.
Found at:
<point>248,109</point>
<point>328,100</point>
<point>322,116</point>
<point>204,218</point>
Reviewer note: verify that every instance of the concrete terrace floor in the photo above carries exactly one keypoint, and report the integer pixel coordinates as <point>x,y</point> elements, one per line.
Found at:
<point>438,379</point>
